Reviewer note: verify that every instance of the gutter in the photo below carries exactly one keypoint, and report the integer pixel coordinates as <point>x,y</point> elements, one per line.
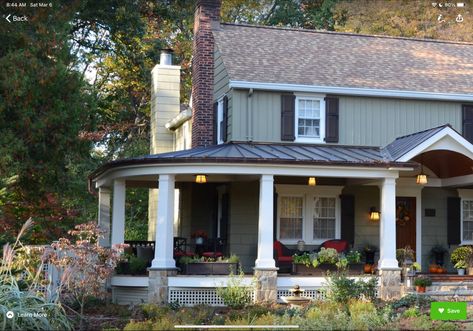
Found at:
<point>355,91</point>
<point>180,119</point>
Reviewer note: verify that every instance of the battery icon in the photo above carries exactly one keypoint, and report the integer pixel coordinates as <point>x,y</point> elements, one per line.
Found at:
<point>460,4</point>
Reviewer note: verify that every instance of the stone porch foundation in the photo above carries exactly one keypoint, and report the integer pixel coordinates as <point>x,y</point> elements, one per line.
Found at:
<point>266,285</point>
<point>390,284</point>
<point>158,285</point>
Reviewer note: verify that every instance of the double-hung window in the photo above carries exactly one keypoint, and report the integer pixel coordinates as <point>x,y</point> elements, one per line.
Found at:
<point>310,119</point>
<point>220,121</point>
<point>308,214</point>
<point>467,219</point>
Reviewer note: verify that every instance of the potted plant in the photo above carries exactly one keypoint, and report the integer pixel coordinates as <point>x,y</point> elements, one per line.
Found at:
<point>355,267</point>
<point>416,267</point>
<point>209,266</point>
<point>404,255</point>
<point>437,253</point>
<point>461,256</point>
<point>369,252</point>
<point>461,266</point>
<point>421,283</point>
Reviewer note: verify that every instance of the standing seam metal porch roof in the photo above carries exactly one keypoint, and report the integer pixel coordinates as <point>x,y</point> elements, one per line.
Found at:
<point>245,152</point>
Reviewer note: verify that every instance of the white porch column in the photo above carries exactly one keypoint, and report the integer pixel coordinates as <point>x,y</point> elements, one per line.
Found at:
<point>118,212</point>
<point>387,228</point>
<point>163,252</point>
<point>104,215</point>
<point>265,257</point>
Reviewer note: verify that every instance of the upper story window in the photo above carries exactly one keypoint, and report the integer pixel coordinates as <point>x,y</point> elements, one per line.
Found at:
<point>220,121</point>
<point>310,119</point>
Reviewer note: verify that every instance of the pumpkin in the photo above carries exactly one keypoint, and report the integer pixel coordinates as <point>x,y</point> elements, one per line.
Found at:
<point>433,269</point>
<point>368,268</point>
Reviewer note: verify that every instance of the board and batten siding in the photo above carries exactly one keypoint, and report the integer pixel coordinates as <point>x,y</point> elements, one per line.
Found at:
<point>378,121</point>
<point>221,88</point>
<point>362,120</point>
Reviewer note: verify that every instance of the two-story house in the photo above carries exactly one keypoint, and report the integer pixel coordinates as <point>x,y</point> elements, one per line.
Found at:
<point>298,135</point>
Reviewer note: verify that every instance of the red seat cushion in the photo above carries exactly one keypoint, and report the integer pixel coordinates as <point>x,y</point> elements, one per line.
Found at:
<point>285,258</point>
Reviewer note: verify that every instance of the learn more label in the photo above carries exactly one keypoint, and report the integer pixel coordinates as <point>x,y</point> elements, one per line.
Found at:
<point>448,311</point>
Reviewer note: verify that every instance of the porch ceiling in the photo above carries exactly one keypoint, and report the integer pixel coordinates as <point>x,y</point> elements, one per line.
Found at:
<point>446,164</point>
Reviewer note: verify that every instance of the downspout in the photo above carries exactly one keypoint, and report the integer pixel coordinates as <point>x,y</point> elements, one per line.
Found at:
<point>249,114</point>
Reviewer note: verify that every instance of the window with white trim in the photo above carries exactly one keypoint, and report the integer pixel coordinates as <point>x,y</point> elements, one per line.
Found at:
<point>324,218</point>
<point>220,121</point>
<point>291,218</point>
<point>309,214</point>
<point>467,220</point>
<point>310,119</point>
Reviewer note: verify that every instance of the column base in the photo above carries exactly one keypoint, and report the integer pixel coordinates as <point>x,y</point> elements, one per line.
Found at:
<point>266,285</point>
<point>390,283</point>
<point>158,285</point>
<point>163,264</point>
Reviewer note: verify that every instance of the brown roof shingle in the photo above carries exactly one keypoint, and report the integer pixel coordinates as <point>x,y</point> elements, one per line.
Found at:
<point>282,55</point>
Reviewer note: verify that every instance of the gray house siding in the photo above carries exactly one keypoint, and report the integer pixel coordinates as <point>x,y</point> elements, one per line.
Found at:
<point>434,229</point>
<point>362,121</point>
<point>221,87</point>
<point>378,121</point>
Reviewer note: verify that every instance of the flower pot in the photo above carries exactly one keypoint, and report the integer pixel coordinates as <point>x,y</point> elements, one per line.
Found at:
<point>461,272</point>
<point>420,289</point>
<point>368,268</point>
<point>470,270</point>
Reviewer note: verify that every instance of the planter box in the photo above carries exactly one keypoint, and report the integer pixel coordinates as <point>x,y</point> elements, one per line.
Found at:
<point>356,269</point>
<point>321,270</point>
<point>209,268</point>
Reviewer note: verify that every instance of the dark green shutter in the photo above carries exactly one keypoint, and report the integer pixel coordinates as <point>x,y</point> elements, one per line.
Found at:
<point>224,128</point>
<point>215,140</point>
<point>468,122</point>
<point>331,120</point>
<point>225,216</point>
<point>348,218</point>
<point>288,117</point>
<point>453,221</point>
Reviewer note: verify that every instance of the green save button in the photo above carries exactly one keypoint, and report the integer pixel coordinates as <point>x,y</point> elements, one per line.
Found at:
<point>448,311</point>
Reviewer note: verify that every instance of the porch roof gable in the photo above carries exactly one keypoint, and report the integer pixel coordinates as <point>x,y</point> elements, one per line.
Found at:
<point>443,137</point>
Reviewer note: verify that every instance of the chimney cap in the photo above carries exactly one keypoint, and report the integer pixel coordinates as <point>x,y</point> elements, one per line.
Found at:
<point>166,56</point>
<point>166,50</point>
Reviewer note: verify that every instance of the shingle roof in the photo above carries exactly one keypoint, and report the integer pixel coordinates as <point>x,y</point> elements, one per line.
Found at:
<point>404,144</point>
<point>281,55</point>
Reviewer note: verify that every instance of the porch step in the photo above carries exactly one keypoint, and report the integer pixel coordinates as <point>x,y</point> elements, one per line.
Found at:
<point>450,278</point>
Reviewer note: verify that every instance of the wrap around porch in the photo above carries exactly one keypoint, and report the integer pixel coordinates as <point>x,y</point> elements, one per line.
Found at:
<point>257,193</point>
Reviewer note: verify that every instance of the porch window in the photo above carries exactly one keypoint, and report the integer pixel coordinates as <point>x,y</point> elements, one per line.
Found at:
<point>310,119</point>
<point>291,218</point>
<point>324,218</point>
<point>467,219</point>
<point>308,213</point>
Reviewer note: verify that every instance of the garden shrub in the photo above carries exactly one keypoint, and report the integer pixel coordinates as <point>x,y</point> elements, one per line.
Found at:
<point>410,300</point>
<point>235,294</point>
<point>342,289</point>
<point>139,326</point>
<point>152,311</point>
<point>411,312</point>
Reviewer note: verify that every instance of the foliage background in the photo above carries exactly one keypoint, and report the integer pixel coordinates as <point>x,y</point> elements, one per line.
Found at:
<point>75,88</point>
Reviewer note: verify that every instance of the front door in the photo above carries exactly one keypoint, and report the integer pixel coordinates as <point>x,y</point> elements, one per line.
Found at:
<point>406,222</point>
